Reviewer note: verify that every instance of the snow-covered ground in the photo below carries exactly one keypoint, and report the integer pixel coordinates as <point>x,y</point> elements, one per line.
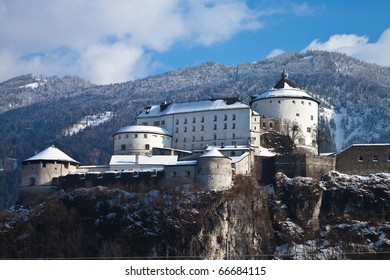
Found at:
<point>35,85</point>
<point>88,121</point>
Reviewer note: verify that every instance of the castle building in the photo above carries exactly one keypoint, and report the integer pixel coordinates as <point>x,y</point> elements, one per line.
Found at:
<point>291,111</point>
<point>45,166</point>
<point>198,125</point>
<point>140,140</point>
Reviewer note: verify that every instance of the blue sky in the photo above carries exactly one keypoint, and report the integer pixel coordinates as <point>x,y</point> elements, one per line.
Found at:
<point>109,41</point>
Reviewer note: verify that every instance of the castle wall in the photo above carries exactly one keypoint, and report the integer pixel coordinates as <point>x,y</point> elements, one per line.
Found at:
<point>139,143</point>
<point>364,159</point>
<point>292,111</point>
<point>181,173</point>
<point>305,165</point>
<point>214,173</point>
<point>42,173</point>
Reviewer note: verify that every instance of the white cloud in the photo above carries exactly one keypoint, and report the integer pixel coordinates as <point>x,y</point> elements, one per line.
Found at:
<point>358,47</point>
<point>275,52</point>
<point>110,40</point>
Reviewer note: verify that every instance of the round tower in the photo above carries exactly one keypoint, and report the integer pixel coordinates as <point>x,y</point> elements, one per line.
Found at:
<point>291,111</point>
<point>41,168</point>
<point>140,140</point>
<point>214,170</point>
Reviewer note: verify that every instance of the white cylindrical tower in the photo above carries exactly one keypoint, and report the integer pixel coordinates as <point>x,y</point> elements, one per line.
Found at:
<point>140,140</point>
<point>41,168</point>
<point>214,170</point>
<point>291,111</point>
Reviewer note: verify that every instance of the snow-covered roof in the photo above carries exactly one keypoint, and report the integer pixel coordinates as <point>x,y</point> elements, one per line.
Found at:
<point>212,153</point>
<point>51,154</point>
<point>142,160</point>
<point>282,89</point>
<point>365,145</point>
<point>197,106</point>
<point>142,129</point>
<point>236,159</point>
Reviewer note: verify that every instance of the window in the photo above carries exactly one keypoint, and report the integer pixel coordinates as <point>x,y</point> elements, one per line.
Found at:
<point>303,102</point>
<point>144,123</point>
<point>188,173</point>
<point>225,117</point>
<point>360,158</point>
<point>32,181</point>
<point>202,128</point>
<point>308,129</point>
<point>215,137</point>
<point>310,103</point>
<point>193,138</point>
<point>127,136</point>
<point>297,114</point>
<point>295,128</point>
<point>185,140</point>
<point>185,129</point>
<point>193,120</point>
<point>215,118</point>
<point>162,122</point>
<point>234,136</point>
<point>145,136</point>
<point>193,128</point>
<point>119,137</point>
<point>123,147</point>
<point>202,119</point>
<point>185,121</point>
<point>233,125</point>
<point>215,127</point>
<point>177,121</point>
<point>293,101</point>
<point>270,101</point>
<point>201,138</point>
<point>174,174</point>
<point>264,125</point>
<point>234,117</point>
<point>175,140</point>
<point>44,165</point>
<point>232,153</point>
<point>225,126</point>
<point>375,158</point>
<point>388,158</point>
<point>271,125</point>
<point>279,101</point>
<point>176,130</point>
<point>135,135</point>
<point>311,117</point>
<point>156,123</point>
<point>147,146</point>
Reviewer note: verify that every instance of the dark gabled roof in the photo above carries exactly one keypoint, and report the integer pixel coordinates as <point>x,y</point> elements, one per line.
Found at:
<point>283,81</point>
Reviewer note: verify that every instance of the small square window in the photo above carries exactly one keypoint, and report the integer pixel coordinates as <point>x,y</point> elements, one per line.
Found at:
<point>360,158</point>
<point>375,158</point>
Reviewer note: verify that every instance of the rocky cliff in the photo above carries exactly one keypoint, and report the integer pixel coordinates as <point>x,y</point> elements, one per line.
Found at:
<point>339,217</point>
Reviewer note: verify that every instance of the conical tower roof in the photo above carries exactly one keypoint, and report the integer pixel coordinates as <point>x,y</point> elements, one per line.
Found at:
<point>51,154</point>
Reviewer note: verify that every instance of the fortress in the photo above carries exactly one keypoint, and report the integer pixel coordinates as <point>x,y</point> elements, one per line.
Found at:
<point>205,143</point>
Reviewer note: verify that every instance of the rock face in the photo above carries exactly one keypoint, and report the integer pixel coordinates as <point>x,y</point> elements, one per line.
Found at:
<point>338,217</point>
